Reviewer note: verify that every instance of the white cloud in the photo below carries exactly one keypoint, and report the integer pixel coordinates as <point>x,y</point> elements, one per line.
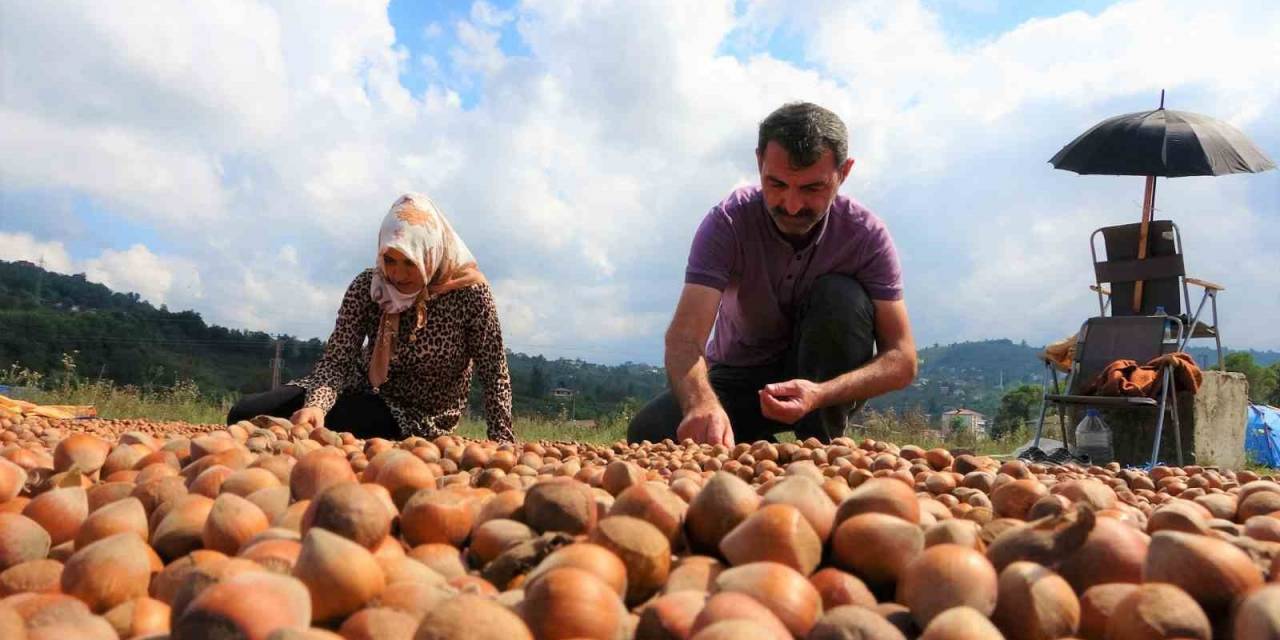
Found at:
<point>130,169</point>
<point>262,142</point>
<point>22,246</point>
<point>486,14</point>
<point>159,280</point>
<point>479,50</point>
<point>271,291</point>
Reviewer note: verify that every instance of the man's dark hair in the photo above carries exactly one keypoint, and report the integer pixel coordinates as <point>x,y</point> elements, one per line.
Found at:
<point>804,129</point>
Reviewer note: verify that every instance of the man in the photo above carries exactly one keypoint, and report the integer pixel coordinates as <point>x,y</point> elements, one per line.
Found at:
<point>800,284</point>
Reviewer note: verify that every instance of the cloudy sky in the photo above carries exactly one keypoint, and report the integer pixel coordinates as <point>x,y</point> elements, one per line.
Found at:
<point>236,157</point>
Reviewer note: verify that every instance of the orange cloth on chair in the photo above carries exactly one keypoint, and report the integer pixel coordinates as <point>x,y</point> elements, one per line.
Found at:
<point>1062,353</point>
<point>1127,378</point>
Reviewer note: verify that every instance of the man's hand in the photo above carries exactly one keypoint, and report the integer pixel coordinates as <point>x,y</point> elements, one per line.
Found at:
<point>310,417</point>
<point>706,426</point>
<point>788,402</point>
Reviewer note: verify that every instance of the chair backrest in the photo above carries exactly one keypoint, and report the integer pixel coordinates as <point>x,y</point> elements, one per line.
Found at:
<point>1162,270</point>
<point>1104,340</point>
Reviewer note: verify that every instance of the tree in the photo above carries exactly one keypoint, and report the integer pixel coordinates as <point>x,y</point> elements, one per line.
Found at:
<point>1272,397</point>
<point>1262,380</point>
<point>537,381</point>
<point>1015,409</point>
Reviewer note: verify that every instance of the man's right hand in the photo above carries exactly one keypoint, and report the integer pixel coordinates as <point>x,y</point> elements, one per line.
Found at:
<point>310,417</point>
<point>708,425</point>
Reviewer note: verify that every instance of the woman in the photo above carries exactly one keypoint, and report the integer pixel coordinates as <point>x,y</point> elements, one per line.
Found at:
<point>428,315</point>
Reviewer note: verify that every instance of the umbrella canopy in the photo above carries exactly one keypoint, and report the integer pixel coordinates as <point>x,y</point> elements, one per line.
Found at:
<point>1160,143</point>
<point>1163,143</point>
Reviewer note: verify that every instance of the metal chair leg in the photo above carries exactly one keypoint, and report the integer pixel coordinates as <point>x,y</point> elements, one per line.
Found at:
<point>1044,403</point>
<point>1177,421</point>
<point>1164,391</point>
<point>1195,320</point>
<point>1217,333</point>
<point>1062,412</point>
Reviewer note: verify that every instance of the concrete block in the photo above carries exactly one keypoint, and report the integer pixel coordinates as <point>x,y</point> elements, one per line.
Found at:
<point>1212,423</point>
<point>1221,411</point>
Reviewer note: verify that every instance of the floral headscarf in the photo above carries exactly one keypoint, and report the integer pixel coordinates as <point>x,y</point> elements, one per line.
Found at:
<point>415,227</point>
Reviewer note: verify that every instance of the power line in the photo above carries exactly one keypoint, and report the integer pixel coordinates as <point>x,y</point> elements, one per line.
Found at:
<point>212,342</point>
<point>270,342</point>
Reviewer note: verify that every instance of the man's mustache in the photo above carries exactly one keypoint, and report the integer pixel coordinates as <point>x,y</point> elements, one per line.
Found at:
<point>806,213</point>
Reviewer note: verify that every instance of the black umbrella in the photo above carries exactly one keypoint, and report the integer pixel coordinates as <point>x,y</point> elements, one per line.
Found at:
<point>1160,143</point>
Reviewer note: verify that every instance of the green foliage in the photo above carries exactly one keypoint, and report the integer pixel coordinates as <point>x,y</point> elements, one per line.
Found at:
<point>185,402</point>
<point>537,386</point>
<point>1273,398</point>
<point>119,340</point>
<point>118,337</point>
<point>533,428</point>
<point>1264,382</point>
<point>914,427</point>
<point>967,374</point>
<point>181,401</point>
<point>598,390</point>
<point>1016,408</point>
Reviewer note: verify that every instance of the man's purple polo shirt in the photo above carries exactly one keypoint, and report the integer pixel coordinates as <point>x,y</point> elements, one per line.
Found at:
<point>738,250</point>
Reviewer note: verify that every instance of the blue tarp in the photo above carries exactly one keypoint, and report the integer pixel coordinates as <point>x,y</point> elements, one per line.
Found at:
<point>1262,435</point>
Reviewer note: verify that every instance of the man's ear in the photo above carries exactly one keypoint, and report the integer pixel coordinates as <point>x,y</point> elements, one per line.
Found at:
<point>759,160</point>
<point>845,169</point>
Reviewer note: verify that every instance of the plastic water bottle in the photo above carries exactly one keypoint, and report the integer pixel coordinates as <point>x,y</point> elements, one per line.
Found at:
<point>1168,326</point>
<point>1093,438</point>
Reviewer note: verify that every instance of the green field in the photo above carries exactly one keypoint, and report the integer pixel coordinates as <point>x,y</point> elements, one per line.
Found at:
<point>184,402</point>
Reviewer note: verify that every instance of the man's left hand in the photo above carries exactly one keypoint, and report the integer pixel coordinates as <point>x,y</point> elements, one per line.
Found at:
<point>788,402</point>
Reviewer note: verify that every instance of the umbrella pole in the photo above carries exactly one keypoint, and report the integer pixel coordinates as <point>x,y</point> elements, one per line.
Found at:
<point>1148,208</point>
<point>1148,205</point>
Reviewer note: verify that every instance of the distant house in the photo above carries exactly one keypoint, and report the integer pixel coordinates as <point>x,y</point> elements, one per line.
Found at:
<point>966,419</point>
<point>561,392</point>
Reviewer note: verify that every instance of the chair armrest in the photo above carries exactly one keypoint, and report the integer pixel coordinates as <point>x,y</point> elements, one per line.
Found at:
<point>1205,284</point>
<point>1105,291</point>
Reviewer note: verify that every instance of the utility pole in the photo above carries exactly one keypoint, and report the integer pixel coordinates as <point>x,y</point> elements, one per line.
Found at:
<point>39,279</point>
<point>275,367</point>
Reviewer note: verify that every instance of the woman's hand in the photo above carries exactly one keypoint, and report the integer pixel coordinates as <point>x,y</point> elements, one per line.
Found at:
<point>311,417</point>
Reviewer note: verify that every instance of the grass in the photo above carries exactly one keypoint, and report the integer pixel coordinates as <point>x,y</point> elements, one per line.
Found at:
<point>184,402</point>
<point>539,428</point>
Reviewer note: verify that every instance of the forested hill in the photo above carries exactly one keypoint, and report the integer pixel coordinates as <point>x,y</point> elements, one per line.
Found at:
<point>118,336</point>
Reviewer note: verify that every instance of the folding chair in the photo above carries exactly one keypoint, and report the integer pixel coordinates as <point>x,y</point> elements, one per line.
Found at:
<point>1163,274</point>
<point>1104,340</point>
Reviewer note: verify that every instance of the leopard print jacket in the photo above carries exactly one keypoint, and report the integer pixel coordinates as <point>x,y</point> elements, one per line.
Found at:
<point>431,367</point>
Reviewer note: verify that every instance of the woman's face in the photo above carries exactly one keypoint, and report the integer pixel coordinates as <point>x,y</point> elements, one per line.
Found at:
<point>401,272</point>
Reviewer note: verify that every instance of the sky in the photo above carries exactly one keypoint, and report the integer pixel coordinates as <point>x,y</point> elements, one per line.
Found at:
<point>237,157</point>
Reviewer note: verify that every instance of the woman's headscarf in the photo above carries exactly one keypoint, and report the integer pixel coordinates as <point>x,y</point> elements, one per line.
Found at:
<point>415,227</point>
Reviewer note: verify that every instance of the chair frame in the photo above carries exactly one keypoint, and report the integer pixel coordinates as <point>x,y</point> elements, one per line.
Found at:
<point>1079,376</point>
<point>1132,270</point>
